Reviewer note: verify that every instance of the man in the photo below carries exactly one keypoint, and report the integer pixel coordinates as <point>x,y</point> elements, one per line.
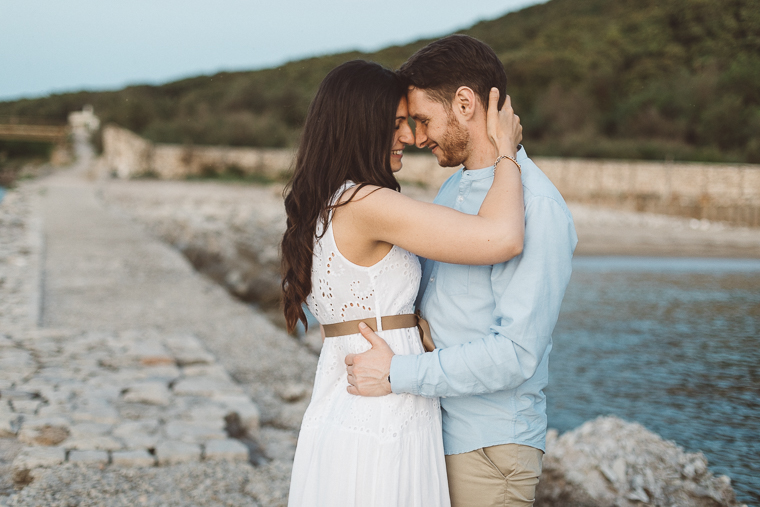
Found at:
<point>492,325</point>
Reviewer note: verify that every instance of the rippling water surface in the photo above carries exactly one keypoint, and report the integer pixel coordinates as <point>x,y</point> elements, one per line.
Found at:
<point>673,344</point>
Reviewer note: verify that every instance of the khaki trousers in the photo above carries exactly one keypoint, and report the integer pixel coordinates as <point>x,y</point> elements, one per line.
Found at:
<point>498,476</point>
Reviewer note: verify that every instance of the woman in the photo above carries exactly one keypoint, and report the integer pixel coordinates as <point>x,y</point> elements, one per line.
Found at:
<point>348,253</point>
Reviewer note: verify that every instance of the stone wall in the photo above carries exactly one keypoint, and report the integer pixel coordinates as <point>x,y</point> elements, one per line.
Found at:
<point>722,192</point>
<point>704,191</point>
<point>129,155</point>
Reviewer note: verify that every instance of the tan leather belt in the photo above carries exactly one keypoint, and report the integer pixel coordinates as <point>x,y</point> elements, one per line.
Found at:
<point>391,322</point>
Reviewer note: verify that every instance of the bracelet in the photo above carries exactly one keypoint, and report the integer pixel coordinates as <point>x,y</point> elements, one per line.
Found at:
<point>502,157</point>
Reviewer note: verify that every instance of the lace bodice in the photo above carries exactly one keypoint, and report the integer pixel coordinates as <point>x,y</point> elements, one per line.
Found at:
<point>343,291</point>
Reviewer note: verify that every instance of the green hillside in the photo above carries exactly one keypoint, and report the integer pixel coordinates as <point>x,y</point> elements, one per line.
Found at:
<point>653,79</point>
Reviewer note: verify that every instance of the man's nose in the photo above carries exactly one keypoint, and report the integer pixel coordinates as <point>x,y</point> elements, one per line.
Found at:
<point>420,139</point>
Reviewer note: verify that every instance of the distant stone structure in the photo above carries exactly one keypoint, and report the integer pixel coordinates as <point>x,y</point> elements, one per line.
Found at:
<point>84,119</point>
<point>129,155</point>
<point>722,192</point>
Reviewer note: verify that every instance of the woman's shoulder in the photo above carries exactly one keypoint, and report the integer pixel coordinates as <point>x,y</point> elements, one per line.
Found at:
<point>356,193</point>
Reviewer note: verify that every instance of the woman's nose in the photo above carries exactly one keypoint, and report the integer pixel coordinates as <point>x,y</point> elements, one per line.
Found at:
<point>407,136</point>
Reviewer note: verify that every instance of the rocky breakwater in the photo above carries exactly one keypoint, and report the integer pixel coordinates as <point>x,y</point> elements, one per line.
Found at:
<point>131,399</point>
<point>610,462</point>
<point>122,416</point>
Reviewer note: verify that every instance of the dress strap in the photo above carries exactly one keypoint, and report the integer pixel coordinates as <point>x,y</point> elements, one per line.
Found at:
<point>321,226</point>
<point>341,190</point>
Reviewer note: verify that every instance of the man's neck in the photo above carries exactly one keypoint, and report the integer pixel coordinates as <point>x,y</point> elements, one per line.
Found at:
<point>482,155</point>
<point>482,152</point>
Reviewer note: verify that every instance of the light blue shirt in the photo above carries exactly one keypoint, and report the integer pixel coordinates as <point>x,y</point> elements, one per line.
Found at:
<point>492,325</point>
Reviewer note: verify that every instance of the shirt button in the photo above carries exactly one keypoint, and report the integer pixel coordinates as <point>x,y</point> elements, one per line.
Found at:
<point>432,279</point>
<point>460,198</point>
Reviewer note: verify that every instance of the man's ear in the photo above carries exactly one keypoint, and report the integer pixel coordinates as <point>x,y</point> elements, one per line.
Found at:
<point>464,103</point>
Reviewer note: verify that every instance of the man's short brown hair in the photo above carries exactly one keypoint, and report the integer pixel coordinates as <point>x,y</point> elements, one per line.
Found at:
<point>441,67</point>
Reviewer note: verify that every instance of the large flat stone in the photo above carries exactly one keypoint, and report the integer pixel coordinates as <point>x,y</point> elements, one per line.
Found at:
<point>209,413</point>
<point>9,422</point>
<point>13,374</point>
<point>108,393</point>
<point>56,396</point>
<point>171,452</point>
<point>151,353</point>
<point>89,457</point>
<point>45,435</point>
<point>138,458</point>
<point>141,441</point>
<point>128,428</point>
<point>60,421</point>
<point>226,450</point>
<point>162,372</point>
<point>247,411</point>
<point>194,432</point>
<point>188,350</point>
<point>216,371</point>
<point>99,414</point>
<point>18,393</point>
<point>26,406</point>
<point>152,393</point>
<point>90,429</point>
<point>205,386</point>
<point>35,457</point>
<point>93,443</point>
<point>138,434</point>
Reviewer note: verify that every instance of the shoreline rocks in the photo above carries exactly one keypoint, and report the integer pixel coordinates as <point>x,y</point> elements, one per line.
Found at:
<point>611,462</point>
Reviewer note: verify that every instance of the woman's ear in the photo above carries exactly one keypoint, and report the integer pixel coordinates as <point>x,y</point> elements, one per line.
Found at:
<point>464,103</point>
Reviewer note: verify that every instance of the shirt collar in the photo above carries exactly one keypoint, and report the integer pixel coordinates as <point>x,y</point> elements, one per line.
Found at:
<point>487,172</point>
<point>521,155</point>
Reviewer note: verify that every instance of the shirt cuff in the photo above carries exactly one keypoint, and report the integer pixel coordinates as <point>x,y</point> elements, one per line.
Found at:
<point>404,374</point>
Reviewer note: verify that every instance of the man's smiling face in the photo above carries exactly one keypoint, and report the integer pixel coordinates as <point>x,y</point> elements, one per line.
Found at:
<point>437,128</point>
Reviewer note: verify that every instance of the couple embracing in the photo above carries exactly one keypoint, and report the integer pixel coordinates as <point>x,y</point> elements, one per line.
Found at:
<point>462,420</point>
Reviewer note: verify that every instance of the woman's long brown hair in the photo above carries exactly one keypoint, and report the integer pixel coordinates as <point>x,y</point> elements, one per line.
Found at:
<point>347,136</point>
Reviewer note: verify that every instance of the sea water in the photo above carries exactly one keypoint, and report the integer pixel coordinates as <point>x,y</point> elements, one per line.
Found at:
<point>673,344</point>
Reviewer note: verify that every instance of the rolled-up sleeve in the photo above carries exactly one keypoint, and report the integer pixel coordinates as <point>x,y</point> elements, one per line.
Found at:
<point>527,292</point>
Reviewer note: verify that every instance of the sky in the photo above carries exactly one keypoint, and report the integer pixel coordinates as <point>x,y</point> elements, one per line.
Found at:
<point>68,45</point>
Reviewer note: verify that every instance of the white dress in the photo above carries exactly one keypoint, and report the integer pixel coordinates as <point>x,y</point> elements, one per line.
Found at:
<point>370,452</point>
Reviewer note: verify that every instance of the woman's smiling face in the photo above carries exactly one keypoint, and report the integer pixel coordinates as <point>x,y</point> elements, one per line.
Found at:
<point>402,136</point>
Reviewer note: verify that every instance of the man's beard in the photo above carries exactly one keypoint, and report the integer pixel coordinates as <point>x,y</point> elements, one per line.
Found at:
<point>454,144</point>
